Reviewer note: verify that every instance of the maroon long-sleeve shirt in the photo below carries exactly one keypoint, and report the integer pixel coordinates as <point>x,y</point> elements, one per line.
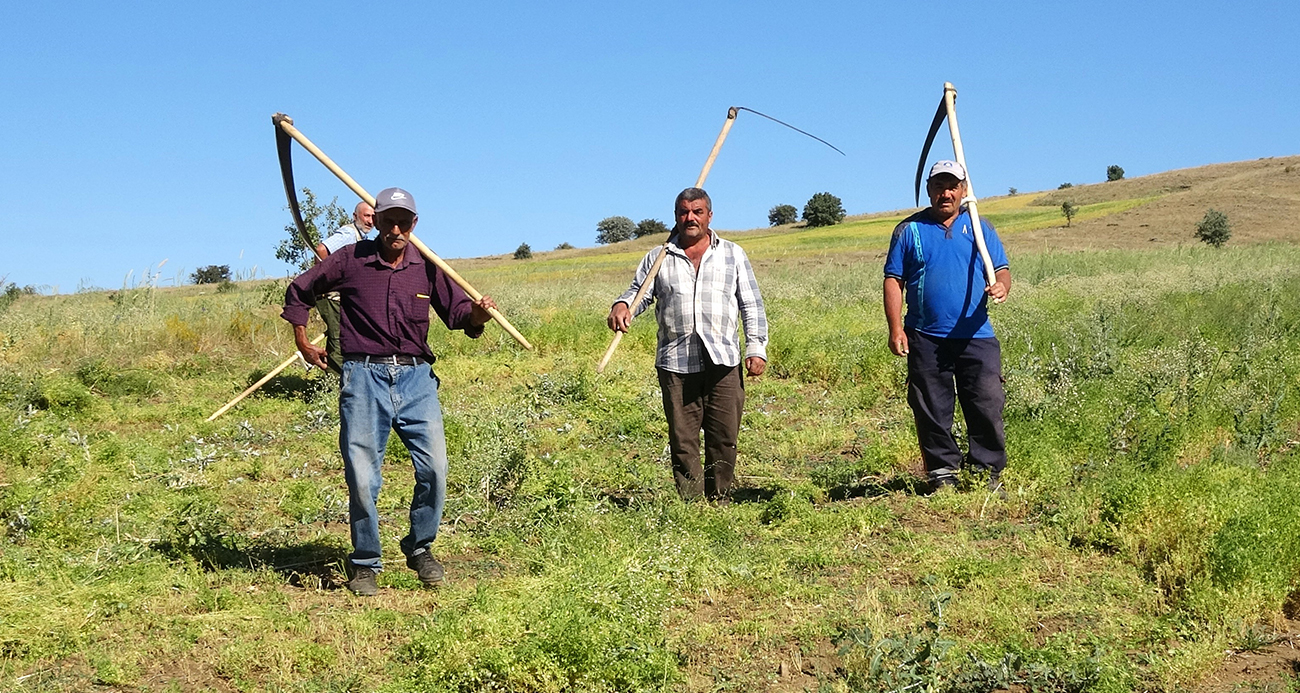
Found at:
<point>385,309</point>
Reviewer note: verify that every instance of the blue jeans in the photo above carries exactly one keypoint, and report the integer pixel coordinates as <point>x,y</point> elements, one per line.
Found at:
<point>375,399</point>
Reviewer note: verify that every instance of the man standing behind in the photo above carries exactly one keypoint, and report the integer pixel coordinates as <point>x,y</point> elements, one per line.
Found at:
<point>947,337</point>
<point>387,380</point>
<point>704,285</point>
<point>363,219</point>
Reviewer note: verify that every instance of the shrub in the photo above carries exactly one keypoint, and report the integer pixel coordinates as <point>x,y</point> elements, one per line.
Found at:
<point>564,246</point>
<point>823,209</point>
<point>781,215</point>
<point>1114,173</point>
<point>614,229</point>
<point>1012,191</point>
<point>12,292</point>
<point>212,274</point>
<point>1214,228</point>
<point>1069,210</point>
<point>650,227</point>
<point>1063,186</point>
<point>523,252</point>
<point>226,286</point>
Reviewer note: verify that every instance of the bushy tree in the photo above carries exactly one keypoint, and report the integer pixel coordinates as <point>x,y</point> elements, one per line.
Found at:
<point>823,209</point>
<point>1069,210</point>
<point>564,246</point>
<point>1012,191</point>
<point>1063,186</point>
<point>650,227</point>
<point>523,252</point>
<point>614,229</point>
<point>781,215</point>
<point>212,274</point>
<point>320,220</point>
<point>1114,173</point>
<point>1214,228</point>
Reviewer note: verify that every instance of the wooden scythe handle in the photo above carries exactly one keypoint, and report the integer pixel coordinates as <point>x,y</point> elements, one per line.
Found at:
<point>286,123</point>
<point>253,388</point>
<point>663,249</point>
<point>950,100</point>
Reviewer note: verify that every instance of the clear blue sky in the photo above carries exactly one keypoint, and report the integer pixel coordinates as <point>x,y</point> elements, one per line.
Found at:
<point>138,132</point>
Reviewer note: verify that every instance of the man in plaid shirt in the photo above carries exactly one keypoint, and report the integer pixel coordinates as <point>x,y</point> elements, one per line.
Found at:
<point>705,290</point>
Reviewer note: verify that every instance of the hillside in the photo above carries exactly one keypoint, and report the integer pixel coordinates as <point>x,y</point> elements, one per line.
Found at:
<point>1150,539</point>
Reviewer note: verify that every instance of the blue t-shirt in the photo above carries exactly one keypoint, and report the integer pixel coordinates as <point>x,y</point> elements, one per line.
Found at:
<point>943,275</point>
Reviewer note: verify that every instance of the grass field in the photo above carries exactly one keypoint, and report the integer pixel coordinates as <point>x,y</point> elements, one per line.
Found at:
<point>1151,536</point>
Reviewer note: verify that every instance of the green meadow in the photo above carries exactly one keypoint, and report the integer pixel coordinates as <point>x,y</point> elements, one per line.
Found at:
<point>1150,529</point>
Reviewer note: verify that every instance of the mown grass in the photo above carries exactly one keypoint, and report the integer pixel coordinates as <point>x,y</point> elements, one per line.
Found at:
<point>1152,424</point>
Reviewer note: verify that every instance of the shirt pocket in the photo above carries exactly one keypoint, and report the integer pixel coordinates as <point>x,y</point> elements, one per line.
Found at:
<point>415,306</point>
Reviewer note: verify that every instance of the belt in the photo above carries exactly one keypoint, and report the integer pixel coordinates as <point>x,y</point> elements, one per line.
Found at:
<point>392,360</point>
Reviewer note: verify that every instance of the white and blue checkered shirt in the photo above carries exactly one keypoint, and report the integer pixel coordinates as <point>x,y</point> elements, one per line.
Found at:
<point>698,312</point>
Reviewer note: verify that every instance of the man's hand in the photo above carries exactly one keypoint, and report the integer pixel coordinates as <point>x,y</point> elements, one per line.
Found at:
<point>898,342</point>
<point>480,314</point>
<point>755,366</point>
<point>620,318</point>
<point>311,353</point>
<point>997,291</point>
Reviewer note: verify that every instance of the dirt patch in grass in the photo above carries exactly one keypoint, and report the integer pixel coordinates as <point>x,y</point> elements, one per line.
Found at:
<point>1273,668</point>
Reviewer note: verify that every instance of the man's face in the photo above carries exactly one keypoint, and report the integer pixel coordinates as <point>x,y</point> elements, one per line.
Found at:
<point>394,226</point>
<point>946,193</point>
<point>364,216</point>
<point>693,217</point>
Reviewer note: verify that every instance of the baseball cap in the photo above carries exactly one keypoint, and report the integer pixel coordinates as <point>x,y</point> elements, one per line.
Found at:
<point>948,166</point>
<point>394,198</point>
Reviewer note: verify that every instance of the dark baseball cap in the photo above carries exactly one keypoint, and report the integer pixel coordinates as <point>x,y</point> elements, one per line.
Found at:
<point>394,198</point>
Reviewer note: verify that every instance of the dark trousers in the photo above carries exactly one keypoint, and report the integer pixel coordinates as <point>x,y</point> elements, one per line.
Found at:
<point>329,314</point>
<point>934,365</point>
<point>711,400</point>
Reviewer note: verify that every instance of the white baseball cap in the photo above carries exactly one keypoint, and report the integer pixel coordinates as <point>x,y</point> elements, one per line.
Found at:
<point>949,167</point>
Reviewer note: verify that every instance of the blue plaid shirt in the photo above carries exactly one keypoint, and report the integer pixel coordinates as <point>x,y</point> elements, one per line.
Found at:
<point>701,312</point>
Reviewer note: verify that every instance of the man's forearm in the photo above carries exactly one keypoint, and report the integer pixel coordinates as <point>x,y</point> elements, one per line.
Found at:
<point>893,304</point>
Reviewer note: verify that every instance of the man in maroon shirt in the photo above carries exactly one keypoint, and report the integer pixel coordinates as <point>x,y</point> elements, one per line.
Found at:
<point>388,384</point>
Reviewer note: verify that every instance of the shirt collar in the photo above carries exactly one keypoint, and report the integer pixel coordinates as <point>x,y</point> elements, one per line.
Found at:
<point>369,254</point>
<point>672,241</point>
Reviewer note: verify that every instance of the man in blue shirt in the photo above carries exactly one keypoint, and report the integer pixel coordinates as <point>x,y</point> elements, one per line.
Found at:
<point>934,262</point>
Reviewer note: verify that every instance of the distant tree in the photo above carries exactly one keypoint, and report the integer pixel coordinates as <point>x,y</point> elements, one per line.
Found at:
<point>564,246</point>
<point>523,252</point>
<point>1069,210</point>
<point>650,227</point>
<point>320,220</point>
<point>614,229</point>
<point>1063,186</point>
<point>212,274</point>
<point>1012,191</point>
<point>1114,173</point>
<point>1214,228</point>
<point>823,209</point>
<point>781,215</point>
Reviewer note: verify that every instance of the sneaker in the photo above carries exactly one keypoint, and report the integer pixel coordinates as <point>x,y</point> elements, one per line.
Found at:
<point>946,483</point>
<point>362,583</point>
<point>427,567</point>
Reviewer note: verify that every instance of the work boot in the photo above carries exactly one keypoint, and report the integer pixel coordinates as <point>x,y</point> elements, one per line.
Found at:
<point>995,486</point>
<point>362,583</point>
<point>427,567</point>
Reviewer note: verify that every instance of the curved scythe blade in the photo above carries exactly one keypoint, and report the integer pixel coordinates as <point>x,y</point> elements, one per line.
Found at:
<point>803,132</point>
<point>939,117</point>
<point>284,148</point>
